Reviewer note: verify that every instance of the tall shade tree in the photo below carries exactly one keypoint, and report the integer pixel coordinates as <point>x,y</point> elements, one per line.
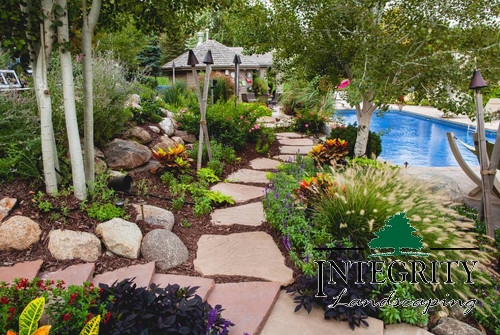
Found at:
<point>89,23</point>
<point>386,48</point>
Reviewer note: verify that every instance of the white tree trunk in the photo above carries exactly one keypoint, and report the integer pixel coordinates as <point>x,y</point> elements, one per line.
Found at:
<point>89,23</point>
<point>364,115</point>
<point>40,51</point>
<point>75,149</point>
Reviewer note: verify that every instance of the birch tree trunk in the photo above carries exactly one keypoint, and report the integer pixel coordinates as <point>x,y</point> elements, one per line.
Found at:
<point>364,115</point>
<point>41,48</point>
<point>75,149</point>
<point>89,23</point>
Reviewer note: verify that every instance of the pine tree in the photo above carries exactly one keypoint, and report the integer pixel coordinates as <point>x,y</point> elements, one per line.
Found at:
<point>397,233</point>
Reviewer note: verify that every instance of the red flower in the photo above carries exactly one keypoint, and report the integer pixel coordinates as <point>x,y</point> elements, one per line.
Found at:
<point>72,298</point>
<point>107,317</point>
<point>66,317</point>
<point>4,300</point>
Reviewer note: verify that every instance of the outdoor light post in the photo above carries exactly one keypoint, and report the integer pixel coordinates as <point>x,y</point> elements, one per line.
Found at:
<point>237,62</point>
<point>173,73</point>
<point>487,171</point>
<point>202,100</point>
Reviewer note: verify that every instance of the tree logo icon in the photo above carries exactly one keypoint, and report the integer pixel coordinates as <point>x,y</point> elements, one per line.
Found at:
<point>397,234</point>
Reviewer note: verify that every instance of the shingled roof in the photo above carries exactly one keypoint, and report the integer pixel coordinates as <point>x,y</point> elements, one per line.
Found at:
<point>222,55</point>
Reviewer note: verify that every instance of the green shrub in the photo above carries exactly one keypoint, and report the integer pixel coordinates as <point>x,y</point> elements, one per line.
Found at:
<point>224,87</point>
<point>350,133</point>
<point>110,92</point>
<point>179,95</point>
<point>226,123</point>
<point>104,212</point>
<point>309,121</point>
<point>150,112</point>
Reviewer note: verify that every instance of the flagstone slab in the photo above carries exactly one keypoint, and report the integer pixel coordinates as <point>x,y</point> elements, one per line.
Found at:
<point>72,275</point>
<point>251,214</point>
<point>252,254</point>
<point>264,164</point>
<point>248,176</point>
<point>245,304</point>
<point>289,135</point>
<point>405,329</point>
<point>283,320</point>
<point>240,193</point>
<point>141,273</point>
<point>295,149</point>
<point>28,270</point>
<point>206,285</point>
<point>296,141</point>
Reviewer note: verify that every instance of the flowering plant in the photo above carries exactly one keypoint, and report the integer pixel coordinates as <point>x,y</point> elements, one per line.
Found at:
<point>16,295</point>
<point>174,158</point>
<point>332,151</point>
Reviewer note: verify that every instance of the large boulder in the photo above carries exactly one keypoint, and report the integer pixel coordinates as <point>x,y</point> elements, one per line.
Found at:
<point>69,244</point>
<point>168,126</point>
<point>18,233</point>
<point>186,137</point>
<point>138,134</point>
<point>165,143</point>
<point>156,216</point>
<point>126,155</point>
<point>165,248</point>
<point>121,237</point>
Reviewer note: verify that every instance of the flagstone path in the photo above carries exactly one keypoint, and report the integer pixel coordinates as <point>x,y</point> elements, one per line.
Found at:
<point>255,307</point>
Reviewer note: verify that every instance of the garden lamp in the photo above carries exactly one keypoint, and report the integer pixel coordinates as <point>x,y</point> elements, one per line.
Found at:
<point>173,73</point>
<point>487,173</point>
<point>237,62</point>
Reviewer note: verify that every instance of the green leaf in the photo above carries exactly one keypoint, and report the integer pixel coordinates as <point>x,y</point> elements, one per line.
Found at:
<point>92,327</point>
<point>28,321</point>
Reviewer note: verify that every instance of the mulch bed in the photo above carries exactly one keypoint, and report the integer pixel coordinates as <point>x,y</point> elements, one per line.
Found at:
<point>158,195</point>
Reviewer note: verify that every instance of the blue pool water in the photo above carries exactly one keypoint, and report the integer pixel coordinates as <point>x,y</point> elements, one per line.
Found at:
<point>418,140</point>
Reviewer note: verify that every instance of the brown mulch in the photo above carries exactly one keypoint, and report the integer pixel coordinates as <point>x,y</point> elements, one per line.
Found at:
<point>157,194</point>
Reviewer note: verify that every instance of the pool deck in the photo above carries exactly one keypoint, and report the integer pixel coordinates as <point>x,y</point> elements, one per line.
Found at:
<point>437,114</point>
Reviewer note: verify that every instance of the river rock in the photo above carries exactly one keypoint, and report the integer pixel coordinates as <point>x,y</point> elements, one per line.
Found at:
<point>449,326</point>
<point>165,248</point>
<point>18,233</point>
<point>168,126</point>
<point>121,237</point>
<point>155,216</point>
<point>6,205</point>
<point>69,244</point>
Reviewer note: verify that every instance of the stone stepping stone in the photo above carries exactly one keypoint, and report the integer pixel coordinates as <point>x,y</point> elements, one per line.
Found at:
<point>295,149</point>
<point>246,304</point>
<point>264,164</point>
<point>251,214</point>
<point>289,135</point>
<point>405,329</point>
<point>296,141</point>
<point>252,254</point>
<point>28,270</point>
<point>240,193</point>
<point>206,284</point>
<point>142,274</point>
<point>72,275</point>
<point>248,176</point>
<point>283,320</point>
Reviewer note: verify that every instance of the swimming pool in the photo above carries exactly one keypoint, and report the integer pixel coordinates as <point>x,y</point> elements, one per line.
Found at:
<point>418,140</point>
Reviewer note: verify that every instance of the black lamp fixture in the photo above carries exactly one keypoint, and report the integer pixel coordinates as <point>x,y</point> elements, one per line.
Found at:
<point>208,58</point>
<point>237,59</point>
<point>477,81</point>
<point>192,60</point>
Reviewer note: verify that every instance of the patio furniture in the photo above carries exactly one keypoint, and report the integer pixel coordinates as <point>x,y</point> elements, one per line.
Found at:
<point>475,177</point>
<point>248,97</point>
